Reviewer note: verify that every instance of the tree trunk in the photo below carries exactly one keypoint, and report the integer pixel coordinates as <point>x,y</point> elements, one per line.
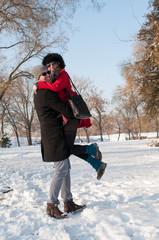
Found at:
<point>129,133</point>
<point>101,133</point>
<point>79,138</point>
<point>157,128</point>
<point>17,137</point>
<point>87,135</point>
<point>2,125</point>
<point>118,135</point>
<point>16,134</point>
<point>139,137</point>
<point>29,139</point>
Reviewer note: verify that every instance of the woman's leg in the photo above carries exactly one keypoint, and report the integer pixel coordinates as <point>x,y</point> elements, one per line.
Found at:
<point>81,151</point>
<point>84,152</point>
<point>70,130</point>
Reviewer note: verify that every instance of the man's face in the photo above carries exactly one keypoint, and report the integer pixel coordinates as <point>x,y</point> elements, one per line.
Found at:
<point>45,76</point>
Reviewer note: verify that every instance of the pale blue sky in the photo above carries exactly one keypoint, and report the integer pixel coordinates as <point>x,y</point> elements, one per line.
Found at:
<point>95,51</point>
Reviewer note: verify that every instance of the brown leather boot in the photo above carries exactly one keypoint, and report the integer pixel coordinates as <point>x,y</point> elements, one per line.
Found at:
<point>53,211</point>
<point>73,207</point>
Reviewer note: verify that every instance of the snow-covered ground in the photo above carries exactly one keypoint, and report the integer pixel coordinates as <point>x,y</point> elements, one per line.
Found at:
<point>123,205</point>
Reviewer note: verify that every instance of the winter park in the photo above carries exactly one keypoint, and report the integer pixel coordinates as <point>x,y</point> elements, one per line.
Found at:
<point>79,120</point>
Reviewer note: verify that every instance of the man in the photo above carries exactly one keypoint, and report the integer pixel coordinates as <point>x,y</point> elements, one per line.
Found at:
<point>49,108</point>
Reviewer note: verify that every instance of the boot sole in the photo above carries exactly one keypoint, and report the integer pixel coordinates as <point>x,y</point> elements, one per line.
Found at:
<point>57,217</point>
<point>99,154</point>
<point>102,171</point>
<point>54,216</point>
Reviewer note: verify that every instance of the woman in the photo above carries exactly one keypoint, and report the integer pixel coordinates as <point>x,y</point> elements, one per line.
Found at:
<point>60,82</point>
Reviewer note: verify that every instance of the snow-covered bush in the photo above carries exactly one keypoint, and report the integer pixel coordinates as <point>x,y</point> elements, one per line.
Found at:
<point>5,141</point>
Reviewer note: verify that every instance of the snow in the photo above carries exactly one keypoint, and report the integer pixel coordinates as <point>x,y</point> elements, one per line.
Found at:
<point>123,205</point>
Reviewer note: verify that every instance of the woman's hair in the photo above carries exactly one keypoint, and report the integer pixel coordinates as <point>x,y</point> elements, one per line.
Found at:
<point>54,57</point>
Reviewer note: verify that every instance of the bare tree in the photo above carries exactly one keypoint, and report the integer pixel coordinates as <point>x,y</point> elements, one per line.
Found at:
<point>31,27</point>
<point>96,103</point>
<point>111,124</point>
<point>132,93</point>
<point>83,86</point>
<point>98,106</point>
<point>21,110</point>
<point>11,119</point>
<point>16,73</point>
<point>124,109</point>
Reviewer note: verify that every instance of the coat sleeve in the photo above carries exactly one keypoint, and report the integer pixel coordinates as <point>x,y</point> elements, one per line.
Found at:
<point>61,83</point>
<point>54,102</point>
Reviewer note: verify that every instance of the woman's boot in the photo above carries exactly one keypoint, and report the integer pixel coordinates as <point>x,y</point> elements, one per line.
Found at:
<point>101,170</point>
<point>93,149</point>
<point>97,165</point>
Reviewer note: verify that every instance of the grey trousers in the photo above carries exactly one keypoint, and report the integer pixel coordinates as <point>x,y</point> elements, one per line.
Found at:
<point>61,181</point>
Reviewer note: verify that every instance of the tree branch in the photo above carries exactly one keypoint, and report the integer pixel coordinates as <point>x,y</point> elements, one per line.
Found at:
<point>15,44</point>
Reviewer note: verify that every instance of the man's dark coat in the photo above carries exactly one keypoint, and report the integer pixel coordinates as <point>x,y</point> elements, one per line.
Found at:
<point>49,106</point>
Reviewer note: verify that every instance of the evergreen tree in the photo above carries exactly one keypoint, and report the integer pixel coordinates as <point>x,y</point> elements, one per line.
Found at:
<point>5,141</point>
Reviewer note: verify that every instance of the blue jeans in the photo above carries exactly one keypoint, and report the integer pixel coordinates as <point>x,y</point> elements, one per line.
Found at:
<point>61,181</point>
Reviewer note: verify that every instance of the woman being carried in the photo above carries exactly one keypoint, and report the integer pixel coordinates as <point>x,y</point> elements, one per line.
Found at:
<point>61,81</point>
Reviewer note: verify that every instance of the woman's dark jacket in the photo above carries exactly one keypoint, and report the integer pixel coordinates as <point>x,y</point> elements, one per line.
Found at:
<point>49,106</point>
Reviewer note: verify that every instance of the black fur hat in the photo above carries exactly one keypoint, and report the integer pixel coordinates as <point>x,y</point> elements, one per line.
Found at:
<point>53,57</point>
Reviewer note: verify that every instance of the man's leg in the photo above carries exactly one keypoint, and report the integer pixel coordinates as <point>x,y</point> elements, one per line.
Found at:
<point>61,171</point>
<point>69,204</point>
<point>66,185</point>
